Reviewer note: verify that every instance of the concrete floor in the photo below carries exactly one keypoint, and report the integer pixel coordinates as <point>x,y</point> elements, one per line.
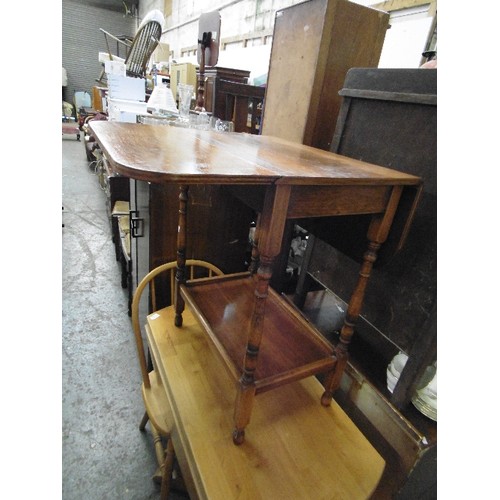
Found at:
<point>104,455</point>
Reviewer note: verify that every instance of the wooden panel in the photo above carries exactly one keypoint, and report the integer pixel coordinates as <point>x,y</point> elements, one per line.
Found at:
<point>318,201</point>
<point>356,37</point>
<point>292,69</point>
<point>315,43</point>
<point>389,118</point>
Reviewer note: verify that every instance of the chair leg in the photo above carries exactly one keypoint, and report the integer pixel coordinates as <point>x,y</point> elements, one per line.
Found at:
<point>144,421</point>
<point>124,270</point>
<point>158,444</point>
<point>167,467</point>
<point>164,457</point>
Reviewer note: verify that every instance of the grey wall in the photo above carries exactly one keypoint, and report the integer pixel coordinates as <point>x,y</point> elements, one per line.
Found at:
<point>82,41</point>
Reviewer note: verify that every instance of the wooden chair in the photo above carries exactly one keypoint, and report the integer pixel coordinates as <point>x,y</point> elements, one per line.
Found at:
<point>153,392</point>
<point>241,101</point>
<point>141,48</point>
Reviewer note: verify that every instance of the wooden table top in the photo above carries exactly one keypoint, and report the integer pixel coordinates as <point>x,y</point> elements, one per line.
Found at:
<point>172,154</point>
<point>296,448</point>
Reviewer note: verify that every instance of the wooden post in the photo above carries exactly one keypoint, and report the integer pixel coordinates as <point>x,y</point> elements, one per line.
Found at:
<point>270,230</point>
<point>180,274</point>
<point>200,99</point>
<point>377,234</point>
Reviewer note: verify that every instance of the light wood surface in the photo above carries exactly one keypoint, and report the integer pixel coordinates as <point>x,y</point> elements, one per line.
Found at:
<point>297,448</point>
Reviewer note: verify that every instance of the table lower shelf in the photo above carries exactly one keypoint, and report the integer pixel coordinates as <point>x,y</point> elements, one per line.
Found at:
<point>291,347</point>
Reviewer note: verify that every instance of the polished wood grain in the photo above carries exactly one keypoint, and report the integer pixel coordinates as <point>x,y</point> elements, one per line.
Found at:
<point>297,448</point>
<point>171,154</point>
<point>291,347</point>
<point>293,180</point>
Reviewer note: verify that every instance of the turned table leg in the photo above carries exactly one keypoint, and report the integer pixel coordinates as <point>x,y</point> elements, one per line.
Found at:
<point>269,231</point>
<point>332,381</point>
<point>180,274</point>
<point>246,393</point>
<point>377,234</point>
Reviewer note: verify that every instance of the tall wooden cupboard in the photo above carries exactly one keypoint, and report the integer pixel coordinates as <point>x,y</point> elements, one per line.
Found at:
<point>315,43</point>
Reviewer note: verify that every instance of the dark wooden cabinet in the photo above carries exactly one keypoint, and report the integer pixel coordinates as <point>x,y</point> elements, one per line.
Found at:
<point>117,189</point>
<point>388,117</point>
<point>218,232</point>
<point>242,105</point>
<point>215,101</point>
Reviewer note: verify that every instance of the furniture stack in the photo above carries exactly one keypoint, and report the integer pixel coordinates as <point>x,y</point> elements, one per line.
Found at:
<point>239,316</point>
